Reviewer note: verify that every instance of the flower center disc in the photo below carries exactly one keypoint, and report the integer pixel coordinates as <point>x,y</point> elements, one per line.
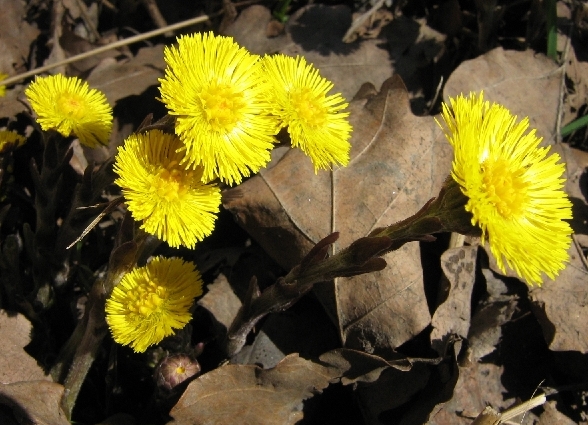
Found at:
<point>222,106</point>
<point>146,299</point>
<point>505,187</point>
<point>71,105</point>
<point>170,183</point>
<point>308,107</point>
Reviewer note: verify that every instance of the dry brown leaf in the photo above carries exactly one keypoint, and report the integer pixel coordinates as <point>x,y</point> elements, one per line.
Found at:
<point>274,396</point>
<point>15,364</point>
<point>552,416</point>
<point>493,312</point>
<point>304,329</point>
<point>525,82</point>
<point>16,37</point>
<point>130,77</point>
<point>249,30</point>
<point>391,390</point>
<point>408,398</point>
<point>561,306</point>
<point>251,394</point>
<point>398,162</point>
<point>452,317</point>
<point>38,401</point>
<point>221,301</point>
<point>121,81</point>
<point>479,385</point>
<point>316,33</point>
<point>357,366</point>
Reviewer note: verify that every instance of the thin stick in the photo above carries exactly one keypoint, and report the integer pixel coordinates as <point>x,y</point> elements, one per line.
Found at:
<point>101,49</point>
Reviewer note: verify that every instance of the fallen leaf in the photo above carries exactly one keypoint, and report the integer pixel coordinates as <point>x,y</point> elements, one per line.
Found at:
<point>357,366</point>
<point>130,88</point>
<point>302,329</point>
<point>479,385</point>
<point>490,314</point>
<point>249,30</point>
<point>274,396</point>
<point>561,305</point>
<point>527,83</point>
<point>452,317</point>
<point>552,416</point>
<point>221,302</point>
<point>316,32</point>
<point>129,77</point>
<point>251,394</point>
<point>15,364</point>
<point>392,390</point>
<point>37,401</point>
<point>16,37</point>
<point>398,162</point>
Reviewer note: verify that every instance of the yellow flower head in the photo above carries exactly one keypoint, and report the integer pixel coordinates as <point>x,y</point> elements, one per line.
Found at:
<point>68,105</point>
<point>315,122</point>
<point>214,89</point>
<point>172,202</point>
<point>3,88</point>
<point>10,140</point>
<point>515,189</point>
<point>151,301</point>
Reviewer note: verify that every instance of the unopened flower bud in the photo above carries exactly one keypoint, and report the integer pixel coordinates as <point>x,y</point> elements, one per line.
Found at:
<point>175,369</point>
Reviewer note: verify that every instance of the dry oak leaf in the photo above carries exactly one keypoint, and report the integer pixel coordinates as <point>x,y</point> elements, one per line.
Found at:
<point>561,306</point>
<point>274,396</point>
<point>15,364</point>
<point>398,162</point>
<point>251,395</point>
<point>452,316</point>
<point>526,82</point>
<point>316,32</point>
<point>37,401</point>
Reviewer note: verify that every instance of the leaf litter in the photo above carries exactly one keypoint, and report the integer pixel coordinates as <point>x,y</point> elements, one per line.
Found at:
<point>398,162</point>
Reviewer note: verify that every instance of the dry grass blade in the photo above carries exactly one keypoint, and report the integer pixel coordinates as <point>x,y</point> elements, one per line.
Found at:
<point>111,46</point>
<point>109,208</point>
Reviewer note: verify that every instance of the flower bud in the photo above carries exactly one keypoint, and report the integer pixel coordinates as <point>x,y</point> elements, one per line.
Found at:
<point>175,369</point>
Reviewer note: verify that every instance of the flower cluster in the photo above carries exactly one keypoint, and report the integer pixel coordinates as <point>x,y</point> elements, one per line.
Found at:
<point>514,188</point>
<point>151,301</point>
<point>229,104</point>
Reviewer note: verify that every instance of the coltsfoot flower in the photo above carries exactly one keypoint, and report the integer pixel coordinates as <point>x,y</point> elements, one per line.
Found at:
<point>70,106</point>
<point>314,119</point>
<point>215,91</point>
<point>151,301</point>
<point>515,188</point>
<point>172,202</point>
<point>10,140</point>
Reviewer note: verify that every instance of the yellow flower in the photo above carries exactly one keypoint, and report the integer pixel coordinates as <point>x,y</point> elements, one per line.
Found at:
<point>213,88</point>
<point>315,121</point>
<point>515,189</point>
<point>68,105</point>
<point>151,301</point>
<point>172,202</point>
<point>10,140</point>
<point>3,88</point>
